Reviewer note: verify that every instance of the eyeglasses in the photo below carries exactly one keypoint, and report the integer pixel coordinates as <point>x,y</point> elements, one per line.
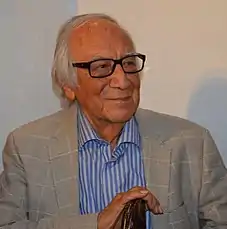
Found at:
<point>104,67</point>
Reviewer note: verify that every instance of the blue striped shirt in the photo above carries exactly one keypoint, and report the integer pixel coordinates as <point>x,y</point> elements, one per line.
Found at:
<point>104,173</point>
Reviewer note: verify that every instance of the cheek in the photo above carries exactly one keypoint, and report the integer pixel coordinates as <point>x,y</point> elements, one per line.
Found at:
<point>135,81</point>
<point>88,85</point>
<point>89,90</point>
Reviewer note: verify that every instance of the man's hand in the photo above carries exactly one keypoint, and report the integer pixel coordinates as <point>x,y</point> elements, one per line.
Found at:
<point>107,218</point>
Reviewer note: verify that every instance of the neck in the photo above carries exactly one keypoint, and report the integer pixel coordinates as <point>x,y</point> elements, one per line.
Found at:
<point>108,131</point>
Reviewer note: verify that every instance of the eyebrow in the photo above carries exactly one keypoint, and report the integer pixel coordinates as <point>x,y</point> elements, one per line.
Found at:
<point>98,57</point>
<point>131,53</point>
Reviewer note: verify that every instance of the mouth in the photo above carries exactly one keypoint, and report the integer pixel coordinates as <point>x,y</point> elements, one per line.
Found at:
<point>121,99</point>
<point>125,98</point>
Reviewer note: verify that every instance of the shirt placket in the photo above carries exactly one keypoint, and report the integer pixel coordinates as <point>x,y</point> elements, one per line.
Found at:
<point>105,178</point>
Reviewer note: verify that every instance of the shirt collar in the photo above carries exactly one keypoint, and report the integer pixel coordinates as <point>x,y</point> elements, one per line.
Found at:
<point>85,131</point>
<point>129,134</point>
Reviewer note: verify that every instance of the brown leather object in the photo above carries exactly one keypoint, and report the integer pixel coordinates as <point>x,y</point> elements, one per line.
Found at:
<point>133,216</point>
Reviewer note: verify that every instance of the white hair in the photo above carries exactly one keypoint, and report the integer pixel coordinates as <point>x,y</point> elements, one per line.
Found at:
<point>63,72</point>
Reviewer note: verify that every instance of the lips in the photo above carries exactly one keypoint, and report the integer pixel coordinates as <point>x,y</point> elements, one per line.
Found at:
<point>121,98</point>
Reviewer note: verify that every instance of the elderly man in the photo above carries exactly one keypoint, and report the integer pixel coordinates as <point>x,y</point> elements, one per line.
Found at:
<point>79,167</point>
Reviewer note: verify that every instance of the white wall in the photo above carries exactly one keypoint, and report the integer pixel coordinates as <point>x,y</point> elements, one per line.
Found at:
<point>28,30</point>
<point>185,41</point>
<point>186,45</point>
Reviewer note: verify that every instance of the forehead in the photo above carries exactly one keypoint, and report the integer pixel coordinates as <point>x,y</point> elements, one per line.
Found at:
<point>98,37</point>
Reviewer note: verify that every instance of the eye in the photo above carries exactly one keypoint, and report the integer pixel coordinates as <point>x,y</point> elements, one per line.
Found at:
<point>101,65</point>
<point>130,61</point>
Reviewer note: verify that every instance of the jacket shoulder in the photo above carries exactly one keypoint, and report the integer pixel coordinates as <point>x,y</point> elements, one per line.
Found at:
<point>44,126</point>
<point>167,126</point>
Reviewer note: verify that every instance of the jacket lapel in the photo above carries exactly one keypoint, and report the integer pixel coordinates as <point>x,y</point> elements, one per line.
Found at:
<point>64,162</point>
<point>156,153</point>
<point>157,169</point>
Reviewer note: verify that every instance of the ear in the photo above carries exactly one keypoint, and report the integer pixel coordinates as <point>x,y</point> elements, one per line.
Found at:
<point>69,93</point>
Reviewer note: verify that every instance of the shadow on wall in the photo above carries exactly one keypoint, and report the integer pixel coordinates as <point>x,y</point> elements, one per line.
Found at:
<point>208,107</point>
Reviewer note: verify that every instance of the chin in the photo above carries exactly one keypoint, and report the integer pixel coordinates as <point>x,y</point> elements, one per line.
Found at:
<point>121,115</point>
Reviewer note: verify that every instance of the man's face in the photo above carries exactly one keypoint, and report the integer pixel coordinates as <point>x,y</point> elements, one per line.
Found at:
<point>114,98</point>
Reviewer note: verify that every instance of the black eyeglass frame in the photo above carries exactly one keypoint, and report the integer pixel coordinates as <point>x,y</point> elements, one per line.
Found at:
<point>86,65</point>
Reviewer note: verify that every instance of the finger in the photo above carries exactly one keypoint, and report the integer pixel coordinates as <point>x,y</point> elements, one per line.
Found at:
<point>118,203</point>
<point>157,210</point>
<point>137,188</point>
<point>160,210</point>
<point>153,203</point>
<point>134,194</point>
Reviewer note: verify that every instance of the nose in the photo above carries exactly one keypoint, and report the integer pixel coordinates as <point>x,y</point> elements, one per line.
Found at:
<point>119,79</point>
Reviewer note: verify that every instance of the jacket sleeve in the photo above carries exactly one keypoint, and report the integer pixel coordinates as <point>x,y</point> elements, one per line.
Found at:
<point>213,195</point>
<point>14,202</point>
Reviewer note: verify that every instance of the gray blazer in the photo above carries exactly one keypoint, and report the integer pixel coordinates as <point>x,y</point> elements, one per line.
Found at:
<point>39,185</point>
